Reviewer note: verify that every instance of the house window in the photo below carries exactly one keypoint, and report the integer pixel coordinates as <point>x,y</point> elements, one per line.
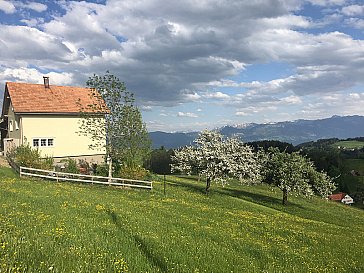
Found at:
<point>43,142</point>
<point>16,125</point>
<point>11,126</point>
<point>36,142</point>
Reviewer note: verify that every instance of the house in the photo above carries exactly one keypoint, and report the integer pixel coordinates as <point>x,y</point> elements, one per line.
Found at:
<point>47,117</point>
<point>341,197</point>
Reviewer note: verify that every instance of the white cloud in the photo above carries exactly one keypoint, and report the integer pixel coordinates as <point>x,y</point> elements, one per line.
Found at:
<point>26,44</point>
<point>292,100</point>
<point>146,108</point>
<point>32,75</point>
<point>171,53</point>
<point>38,7</point>
<point>328,2</point>
<point>7,7</point>
<point>186,114</point>
<point>241,113</point>
<point>353,10</point>
<point>216,95</point>
<point>355,22</point>
<point>33,22</point>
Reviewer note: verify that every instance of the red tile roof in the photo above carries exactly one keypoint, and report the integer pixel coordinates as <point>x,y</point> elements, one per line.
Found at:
<point>35,98</point>
<point>337,196</point>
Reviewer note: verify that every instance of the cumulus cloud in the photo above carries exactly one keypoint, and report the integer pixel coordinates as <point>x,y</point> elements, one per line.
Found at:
<point>327,2</point>
<point>146,108</point>
<point>216,95</point>
<point>35,6</point>
<point>170,53</point>
<point>355,22</point>
<point>353,10</point>
<point>26,44</point>
<point>32,75</point>
<point>7,7</point>
<point>186,114</point>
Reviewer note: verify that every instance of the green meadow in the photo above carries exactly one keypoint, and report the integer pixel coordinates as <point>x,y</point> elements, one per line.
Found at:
<point>349,144</point>
<point>63,227</point>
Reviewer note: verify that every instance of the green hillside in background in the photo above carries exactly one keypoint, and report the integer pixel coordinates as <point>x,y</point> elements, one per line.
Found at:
<point>63,227</point>
<point>348,144</point>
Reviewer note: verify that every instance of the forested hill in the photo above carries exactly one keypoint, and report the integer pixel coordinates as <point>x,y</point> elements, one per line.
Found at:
<point>294,132</point>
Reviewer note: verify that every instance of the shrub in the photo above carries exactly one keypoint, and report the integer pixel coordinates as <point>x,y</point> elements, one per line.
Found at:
<point>101,170</point>
<point>70,166</point>
<point>25,156</point>
<point>136,172</point>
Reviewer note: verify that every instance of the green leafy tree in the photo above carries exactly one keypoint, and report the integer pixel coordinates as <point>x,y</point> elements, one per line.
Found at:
<point>294,173</point>
<point>160,161</point>
<point>135,145</point>
<point>113,122</point>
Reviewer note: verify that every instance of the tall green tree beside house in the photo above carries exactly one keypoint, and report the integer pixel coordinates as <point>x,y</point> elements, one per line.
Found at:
<point>115,125</point>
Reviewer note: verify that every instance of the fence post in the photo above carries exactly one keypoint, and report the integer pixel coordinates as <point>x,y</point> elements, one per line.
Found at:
<point>20,170</point>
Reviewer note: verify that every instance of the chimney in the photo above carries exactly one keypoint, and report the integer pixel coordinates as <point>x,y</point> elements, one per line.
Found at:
<point>46,82</point>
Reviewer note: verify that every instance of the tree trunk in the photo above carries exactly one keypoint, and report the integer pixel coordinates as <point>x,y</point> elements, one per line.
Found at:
<point>285,197</point>
<point>110,170</point>
<point>208,185</point>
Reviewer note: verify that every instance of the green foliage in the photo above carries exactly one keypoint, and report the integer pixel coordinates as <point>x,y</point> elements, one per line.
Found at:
<point>70,166</point>
<point>294,173</point>
<point>64,227</point>
<point>135,145</point>
<point>101,170</point>
<point>160,161</point>
<point>26,156</point>
<point>349,144</point>
<point>266,144</point>
<point>120,131</point>
<point>135,172</point>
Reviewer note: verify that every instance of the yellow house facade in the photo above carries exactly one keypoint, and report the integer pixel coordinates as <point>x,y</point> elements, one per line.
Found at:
<point>47,118</point>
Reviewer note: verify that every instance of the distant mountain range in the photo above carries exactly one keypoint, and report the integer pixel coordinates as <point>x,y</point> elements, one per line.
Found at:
<point>294,132</point>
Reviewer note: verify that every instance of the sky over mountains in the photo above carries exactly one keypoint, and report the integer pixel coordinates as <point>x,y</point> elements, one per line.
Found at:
<point>197,64</point>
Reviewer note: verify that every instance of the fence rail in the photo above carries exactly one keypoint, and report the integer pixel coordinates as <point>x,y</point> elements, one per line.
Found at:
<point>93,179</point>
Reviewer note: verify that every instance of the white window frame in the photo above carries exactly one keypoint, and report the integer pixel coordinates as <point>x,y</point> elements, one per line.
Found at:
<point>11,126</point>
<point>45,140</point>
<point>16,125</point>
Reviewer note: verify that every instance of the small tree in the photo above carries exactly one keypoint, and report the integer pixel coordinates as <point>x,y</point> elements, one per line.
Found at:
<point>217,159</point>
<point>113,122</point>
<point>292,172</point>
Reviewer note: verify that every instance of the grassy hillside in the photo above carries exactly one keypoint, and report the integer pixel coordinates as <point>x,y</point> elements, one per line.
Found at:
<point>349,144</point>
<point>62,227</point>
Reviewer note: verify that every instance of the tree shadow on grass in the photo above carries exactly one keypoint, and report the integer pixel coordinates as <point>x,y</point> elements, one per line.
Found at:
<point>145,248</point>
<point>261,199</point>
<point>266,200</point>
<point>193,186</point>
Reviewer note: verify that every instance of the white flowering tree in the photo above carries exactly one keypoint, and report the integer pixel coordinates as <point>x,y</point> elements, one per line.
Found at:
<point>218,159</point>
<point>293,173</point>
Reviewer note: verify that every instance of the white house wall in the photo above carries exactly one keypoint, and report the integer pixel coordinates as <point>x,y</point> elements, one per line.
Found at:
<point>63,130</point>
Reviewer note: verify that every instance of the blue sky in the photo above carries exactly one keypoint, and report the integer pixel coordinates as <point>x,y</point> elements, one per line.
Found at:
<point>197,64</point>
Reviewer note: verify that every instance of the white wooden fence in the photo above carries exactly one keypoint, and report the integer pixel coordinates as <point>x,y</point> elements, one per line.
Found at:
<point>60,176</point>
